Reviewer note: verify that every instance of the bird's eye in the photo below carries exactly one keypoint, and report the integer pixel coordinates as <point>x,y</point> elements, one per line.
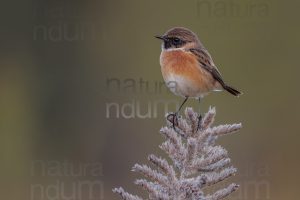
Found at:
<point>176,40</point>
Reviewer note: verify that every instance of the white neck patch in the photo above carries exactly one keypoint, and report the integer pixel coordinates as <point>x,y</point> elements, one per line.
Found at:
<point>172,49</point>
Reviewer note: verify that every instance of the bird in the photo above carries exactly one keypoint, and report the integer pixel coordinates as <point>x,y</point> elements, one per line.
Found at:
<point>187,67</point>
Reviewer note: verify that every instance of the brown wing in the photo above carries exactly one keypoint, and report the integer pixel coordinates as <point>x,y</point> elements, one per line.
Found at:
<point>206,62</point>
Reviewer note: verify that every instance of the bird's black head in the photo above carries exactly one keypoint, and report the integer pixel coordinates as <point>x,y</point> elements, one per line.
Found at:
<point>172,42</point>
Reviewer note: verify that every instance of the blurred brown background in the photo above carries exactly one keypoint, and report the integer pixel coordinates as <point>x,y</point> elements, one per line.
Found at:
<point>63,63</point>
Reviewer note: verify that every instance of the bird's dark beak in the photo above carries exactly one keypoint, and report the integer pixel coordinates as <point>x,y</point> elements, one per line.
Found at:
<point>159,37</point>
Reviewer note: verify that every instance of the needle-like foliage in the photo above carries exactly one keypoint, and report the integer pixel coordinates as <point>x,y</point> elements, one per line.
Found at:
<point>198,162</point>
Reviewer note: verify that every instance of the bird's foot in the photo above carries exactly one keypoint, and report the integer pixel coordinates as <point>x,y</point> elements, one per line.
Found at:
<point>199,122</point>
<point>173,118</point>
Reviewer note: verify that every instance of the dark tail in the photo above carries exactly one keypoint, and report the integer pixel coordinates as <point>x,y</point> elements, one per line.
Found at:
<point>232,90</point>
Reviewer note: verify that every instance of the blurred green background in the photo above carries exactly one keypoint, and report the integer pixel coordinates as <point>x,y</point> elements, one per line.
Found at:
<point>64,62</point>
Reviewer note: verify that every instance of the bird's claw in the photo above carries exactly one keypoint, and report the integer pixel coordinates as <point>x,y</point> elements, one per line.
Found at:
<point>173,118</point>
<point>199,122</point>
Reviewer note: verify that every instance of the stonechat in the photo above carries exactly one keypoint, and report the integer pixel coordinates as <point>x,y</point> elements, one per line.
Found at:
<point>187,67</point>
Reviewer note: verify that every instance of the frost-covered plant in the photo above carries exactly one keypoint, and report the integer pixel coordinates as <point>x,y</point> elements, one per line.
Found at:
<point>198,162</point>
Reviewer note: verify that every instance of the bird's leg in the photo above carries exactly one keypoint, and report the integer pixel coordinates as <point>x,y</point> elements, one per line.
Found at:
<point>175,115</point>
<point>200,116</point>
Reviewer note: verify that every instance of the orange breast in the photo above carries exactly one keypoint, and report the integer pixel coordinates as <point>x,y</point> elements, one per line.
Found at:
<point>185,65</point>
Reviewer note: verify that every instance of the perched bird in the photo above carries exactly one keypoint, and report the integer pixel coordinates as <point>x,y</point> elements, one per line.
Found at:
<point>187,67</point>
